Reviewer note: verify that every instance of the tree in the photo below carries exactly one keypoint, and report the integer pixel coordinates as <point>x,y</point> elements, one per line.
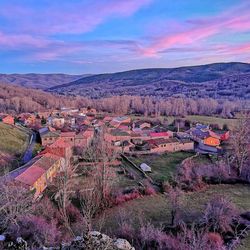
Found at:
<point>101,154</point>
<point>219,215</point>
<point>174,195</point>
<point>64,191</point>
<point>240,141</point>
<point>15,201</point>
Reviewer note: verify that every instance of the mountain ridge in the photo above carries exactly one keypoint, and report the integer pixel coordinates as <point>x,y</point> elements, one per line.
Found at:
<point>37,80</point>
<point>172,81</point>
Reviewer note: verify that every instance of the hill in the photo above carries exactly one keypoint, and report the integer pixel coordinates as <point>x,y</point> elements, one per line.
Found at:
<point>217,80</point>
<point>16,99</point>
<point>39,81</point>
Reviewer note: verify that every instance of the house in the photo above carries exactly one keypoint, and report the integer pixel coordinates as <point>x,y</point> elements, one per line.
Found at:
<point>83,138</point>
<point>107,119</point>
<point>224,136</point>
<point>58,122</point>
<point>141,125</point>
<point>122,146</point>
<point>198,134</point>
<point>27,119</point>
<point>117,121</point>
<point>211,141</point>
<point>161,134</point>
<point>48,137</point>
<point>68,137</point>
<point>70,120</point>
<point>7,119</point>
<point>40,171</point>
<point>124,127</point>
<point>69,111</point>
<point>117,135</point>
<point>60,148</point>
<point>207,149</point>
<point>162,145</point>
<point>88,111</point>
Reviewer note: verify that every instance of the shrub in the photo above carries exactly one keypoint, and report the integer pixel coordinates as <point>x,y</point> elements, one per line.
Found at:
<point>149,190</point>
<point>126,197</point>
<point>219,214</point>
<point>214,241</point>
<point>36,231</point>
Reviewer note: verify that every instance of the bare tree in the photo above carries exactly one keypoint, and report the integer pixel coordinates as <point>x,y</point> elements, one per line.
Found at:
<point>240,143</point>
<point>64,191</point>
<point>15,201</point>
<point>101,154</point>
<point>219,214</point>
<point>174,196</point>
<point>90,202</point>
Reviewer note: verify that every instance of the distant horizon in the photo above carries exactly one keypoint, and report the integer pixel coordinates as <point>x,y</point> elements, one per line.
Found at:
<point>88,73</point>
<point>94,37</point>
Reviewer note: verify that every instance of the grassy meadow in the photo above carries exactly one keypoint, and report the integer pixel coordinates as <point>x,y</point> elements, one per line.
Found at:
<point>163,166</point>
<point>231,123</point>
<point>13,143</point>
<point>156,209</point>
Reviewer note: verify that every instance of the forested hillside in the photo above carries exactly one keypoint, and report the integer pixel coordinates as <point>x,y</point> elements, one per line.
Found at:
<point>39,81</point>
<point>220,80</point>
<point>15,99</point>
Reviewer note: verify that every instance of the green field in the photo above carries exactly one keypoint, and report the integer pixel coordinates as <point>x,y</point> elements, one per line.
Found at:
<point>231,123</point>
<point>156,209</point>
<point>13,141</point>
<point>163,166</point>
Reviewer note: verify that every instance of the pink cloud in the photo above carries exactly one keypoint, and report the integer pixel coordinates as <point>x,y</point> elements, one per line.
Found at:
<point>69,17</point>
<point>199,30</point>
<point>14,41</point>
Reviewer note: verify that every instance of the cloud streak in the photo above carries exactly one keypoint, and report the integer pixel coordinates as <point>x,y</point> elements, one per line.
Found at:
<point>69,17</point>
<point>198,30</point>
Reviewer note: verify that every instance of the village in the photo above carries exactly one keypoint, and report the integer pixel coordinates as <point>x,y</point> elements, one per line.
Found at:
<point>64,134</point>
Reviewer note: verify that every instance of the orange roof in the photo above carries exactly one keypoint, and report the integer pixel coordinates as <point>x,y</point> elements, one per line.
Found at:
<point>60,143</point>
<point>211,141</point>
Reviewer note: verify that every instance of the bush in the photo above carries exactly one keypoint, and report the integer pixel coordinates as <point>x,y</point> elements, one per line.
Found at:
<point>127,197</point>
<point>220,214</point>
<point>149,191</point>
<point>36,231</point>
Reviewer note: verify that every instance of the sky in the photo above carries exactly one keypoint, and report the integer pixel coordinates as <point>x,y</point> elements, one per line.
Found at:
<point>97,36</point>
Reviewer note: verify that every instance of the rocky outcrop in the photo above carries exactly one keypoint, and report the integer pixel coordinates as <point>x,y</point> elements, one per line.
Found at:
<point>94,240</point>
<point>97,240</point>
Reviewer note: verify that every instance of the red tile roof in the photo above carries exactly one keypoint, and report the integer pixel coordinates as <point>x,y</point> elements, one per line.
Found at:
<point>159,134</point>
<point>160,141</point>
<point>60,143</point>
<point>37,169</point>
<point>68,134</point>
<point>31,175</point>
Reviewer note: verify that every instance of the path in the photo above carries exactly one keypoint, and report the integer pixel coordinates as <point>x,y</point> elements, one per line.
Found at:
<point>28,155</point>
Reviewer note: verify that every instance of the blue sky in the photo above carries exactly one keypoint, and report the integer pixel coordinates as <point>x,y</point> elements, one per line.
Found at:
<point>96,36</point>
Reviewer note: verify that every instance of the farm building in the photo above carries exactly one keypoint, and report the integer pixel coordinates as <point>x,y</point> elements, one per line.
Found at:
<point>40,171</point>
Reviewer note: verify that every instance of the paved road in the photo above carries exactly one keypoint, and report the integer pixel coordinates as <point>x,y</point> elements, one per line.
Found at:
<point>29,151</point>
